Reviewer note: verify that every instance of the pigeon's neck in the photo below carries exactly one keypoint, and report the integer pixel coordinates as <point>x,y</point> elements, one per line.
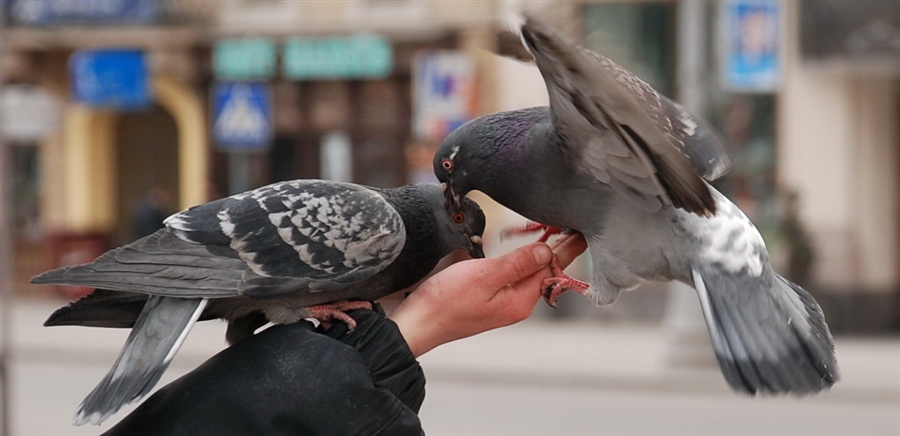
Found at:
<point>518,152</point>
<point>525,170</point>
<point>516,131</point>
<point>423,247</point>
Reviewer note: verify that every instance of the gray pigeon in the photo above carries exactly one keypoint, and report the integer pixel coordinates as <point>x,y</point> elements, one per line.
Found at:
<point>279,254</point>
<point>621,164</point>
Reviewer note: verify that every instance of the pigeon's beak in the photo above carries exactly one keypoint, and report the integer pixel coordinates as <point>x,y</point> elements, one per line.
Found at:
<point>476,248</point>
<point>452,200</point>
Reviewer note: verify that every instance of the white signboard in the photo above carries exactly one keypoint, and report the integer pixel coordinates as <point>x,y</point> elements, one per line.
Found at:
<point>444,90</point>
<point>28,113</point>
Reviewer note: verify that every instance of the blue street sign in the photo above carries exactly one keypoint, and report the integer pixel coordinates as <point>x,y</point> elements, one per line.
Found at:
<point>114,79</point>
<point>242,115</point>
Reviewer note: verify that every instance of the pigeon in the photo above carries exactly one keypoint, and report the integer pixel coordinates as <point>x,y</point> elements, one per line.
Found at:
<point>628,168</point>
<point>280,253</point>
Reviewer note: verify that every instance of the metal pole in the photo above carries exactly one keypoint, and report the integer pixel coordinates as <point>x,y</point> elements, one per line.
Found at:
<point>684,319</point>
<point>691,64</point>
<point>6,266</point>
<point>240,171</point>
<point>6,280</point>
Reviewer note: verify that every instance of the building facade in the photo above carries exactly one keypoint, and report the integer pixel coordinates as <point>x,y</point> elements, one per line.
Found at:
<point>815,139</point>
<point>81,185</point>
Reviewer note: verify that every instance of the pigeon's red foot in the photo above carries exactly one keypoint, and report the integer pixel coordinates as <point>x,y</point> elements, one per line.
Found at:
<point>553,287</point>
<point>338,311</point>
<point>532,227</point>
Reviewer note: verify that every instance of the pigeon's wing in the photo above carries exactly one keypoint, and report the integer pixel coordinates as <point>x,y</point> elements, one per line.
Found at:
<point>101,308</point>
<point>160,264</point>
<point>705,150</point>
<point>297,236</point>
<point>616,127</point>
<point>313,234</point>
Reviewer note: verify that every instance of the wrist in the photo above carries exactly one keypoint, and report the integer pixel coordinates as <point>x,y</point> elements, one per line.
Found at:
<point>417,324</point>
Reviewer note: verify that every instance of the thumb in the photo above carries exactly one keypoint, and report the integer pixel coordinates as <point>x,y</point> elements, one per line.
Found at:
<point>519,264</point>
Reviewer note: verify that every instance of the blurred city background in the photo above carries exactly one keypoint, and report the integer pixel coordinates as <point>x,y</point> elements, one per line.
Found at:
<point>116,113</point>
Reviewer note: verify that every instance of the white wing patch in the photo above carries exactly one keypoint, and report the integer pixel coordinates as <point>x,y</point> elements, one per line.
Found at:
<point>733,241</point>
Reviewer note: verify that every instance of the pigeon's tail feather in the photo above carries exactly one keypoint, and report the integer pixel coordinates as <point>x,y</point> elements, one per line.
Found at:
<point>769,335</point>
<point>100,308</point>
<point>157,334</point>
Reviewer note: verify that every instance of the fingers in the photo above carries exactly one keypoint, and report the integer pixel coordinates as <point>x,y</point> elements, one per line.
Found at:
<point>518,264</point>
<point>523,262</point>
<point>568,248</point>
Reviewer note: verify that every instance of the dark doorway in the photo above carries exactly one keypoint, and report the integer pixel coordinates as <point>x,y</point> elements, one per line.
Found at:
<point>147,145</point>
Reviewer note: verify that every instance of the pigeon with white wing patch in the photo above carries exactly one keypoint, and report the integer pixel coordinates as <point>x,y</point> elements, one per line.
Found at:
<point>616,161</point>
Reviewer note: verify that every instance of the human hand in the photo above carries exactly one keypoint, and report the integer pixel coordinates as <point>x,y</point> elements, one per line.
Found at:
<point>477,295</point>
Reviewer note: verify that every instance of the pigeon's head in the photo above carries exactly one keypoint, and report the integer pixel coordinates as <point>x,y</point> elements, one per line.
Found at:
<point>463,228</point>
<point>450,166</point>
<point>482,154</point>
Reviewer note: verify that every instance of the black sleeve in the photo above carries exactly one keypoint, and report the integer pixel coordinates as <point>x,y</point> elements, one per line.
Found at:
<point>386,355</point>
<point>291,380</point>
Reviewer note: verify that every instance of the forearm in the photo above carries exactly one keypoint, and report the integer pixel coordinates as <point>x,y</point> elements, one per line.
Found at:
<point>420,333</point>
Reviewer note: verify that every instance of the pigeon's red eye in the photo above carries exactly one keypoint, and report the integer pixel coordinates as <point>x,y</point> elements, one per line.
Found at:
<point>447,164</point>
<point>459,218</point>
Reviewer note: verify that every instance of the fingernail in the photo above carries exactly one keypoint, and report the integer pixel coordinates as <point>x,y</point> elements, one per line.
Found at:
<point>541,253</point>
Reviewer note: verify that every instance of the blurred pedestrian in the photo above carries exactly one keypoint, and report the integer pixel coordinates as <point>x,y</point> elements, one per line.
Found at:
<point>151,211</point>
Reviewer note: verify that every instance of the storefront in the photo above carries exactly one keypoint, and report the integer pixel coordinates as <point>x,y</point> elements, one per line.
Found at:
<point>87,184</point>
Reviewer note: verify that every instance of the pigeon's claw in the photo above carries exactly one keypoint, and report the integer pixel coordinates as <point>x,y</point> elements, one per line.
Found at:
<point>531,227</point>
<point>552,287</point>
<point>337,311</point>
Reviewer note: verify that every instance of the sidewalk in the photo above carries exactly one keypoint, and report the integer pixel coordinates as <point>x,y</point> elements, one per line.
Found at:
<point>537,351</point>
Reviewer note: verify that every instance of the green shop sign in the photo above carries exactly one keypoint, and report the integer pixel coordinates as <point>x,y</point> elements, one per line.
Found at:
<point>244,58</point>
<point>355,57</point>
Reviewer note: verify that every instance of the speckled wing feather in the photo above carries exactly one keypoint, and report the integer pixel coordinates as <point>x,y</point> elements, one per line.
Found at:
<point>620,130</point>
<point>318,234</point>
<point>288,237</point>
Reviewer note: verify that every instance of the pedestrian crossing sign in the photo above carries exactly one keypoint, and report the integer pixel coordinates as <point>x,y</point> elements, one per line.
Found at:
<point>242,115</point>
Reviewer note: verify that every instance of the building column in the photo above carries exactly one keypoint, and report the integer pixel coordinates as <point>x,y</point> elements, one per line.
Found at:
<point>816,156</point>
<point>186,108</point>
<point>877,197</point>
<point>88,166</point>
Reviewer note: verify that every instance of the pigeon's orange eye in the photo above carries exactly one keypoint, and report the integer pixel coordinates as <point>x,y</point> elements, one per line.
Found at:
<point>459,218</point>
<point>447,164</point>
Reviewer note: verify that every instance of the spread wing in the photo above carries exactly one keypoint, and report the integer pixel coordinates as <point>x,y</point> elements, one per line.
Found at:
<point>617,128</point>
<point>297,236</point>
